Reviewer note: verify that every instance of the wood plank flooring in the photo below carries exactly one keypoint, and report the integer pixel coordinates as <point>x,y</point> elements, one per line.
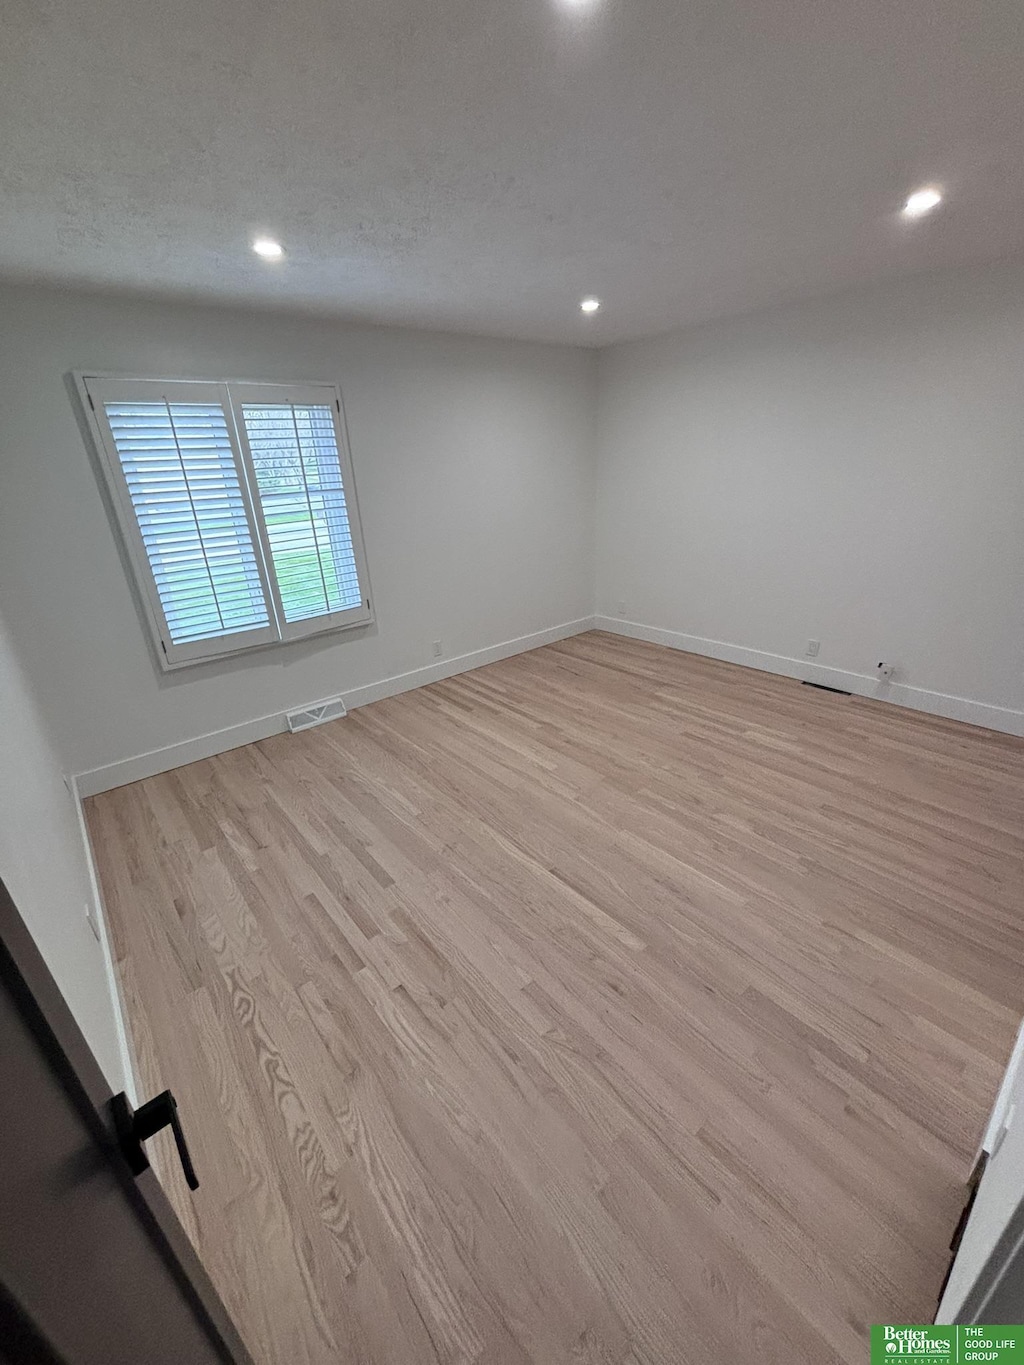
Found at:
<point>604,1005</point>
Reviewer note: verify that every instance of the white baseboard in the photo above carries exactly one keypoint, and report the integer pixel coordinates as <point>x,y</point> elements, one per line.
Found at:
<point>247,732</point>
<point>447,668</point>
<point>1002,718</point>
<point>124,1047</point>
<point>155,761</point>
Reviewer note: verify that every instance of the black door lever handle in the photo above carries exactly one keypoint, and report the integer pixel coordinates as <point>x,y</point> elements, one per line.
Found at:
<point>136,1126</point>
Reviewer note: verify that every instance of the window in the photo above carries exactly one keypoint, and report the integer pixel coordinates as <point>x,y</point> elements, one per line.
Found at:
<point>237,507</point>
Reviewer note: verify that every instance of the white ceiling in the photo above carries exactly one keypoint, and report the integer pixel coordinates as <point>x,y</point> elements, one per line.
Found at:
<point>483,164</point>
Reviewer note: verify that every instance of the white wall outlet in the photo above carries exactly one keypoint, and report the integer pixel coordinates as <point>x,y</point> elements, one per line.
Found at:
<point>884,670</point>
<point>812,648</point>
<point>437,649</point>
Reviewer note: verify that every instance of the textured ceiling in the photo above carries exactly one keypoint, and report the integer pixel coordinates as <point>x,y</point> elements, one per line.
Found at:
<point>482,164</point>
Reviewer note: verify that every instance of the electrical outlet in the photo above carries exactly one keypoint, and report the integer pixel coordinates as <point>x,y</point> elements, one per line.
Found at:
<point>812,648</point>
<point>437,649</point>
<point>884,670</point>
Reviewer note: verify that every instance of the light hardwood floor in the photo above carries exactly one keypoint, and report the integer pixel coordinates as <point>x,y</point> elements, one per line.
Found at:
<point>607,1004</point>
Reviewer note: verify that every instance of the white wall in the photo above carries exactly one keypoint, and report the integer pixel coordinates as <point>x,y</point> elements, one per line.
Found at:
<point>474,472</point>
<point>42,863</point>
<point>849,470</point>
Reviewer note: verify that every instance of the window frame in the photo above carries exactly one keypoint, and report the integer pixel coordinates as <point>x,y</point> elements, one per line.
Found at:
<point>94,388</point>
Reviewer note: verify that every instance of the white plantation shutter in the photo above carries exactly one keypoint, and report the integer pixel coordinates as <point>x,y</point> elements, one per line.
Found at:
<point>180,470</point>
<point>300,473</point>
<point>235,543</point>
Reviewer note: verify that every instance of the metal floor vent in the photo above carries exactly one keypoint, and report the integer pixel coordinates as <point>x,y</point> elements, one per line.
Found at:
<point>331,709</point>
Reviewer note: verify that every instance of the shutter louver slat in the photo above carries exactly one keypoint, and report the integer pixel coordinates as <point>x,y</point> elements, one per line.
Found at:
<point>179,469</point>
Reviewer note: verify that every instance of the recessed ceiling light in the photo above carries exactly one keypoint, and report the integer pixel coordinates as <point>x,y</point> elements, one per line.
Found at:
<point>589,305</point>
<point>922,202</point>
<point>268,248</point>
